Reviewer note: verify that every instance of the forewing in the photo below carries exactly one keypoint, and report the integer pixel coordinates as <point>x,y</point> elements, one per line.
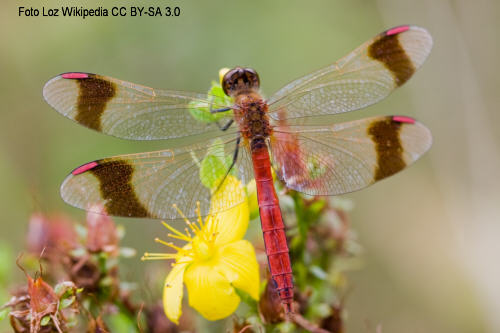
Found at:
<point>363,77</point>
<point>148,184</point>
<point>345,157</point>
<point>128,110</point>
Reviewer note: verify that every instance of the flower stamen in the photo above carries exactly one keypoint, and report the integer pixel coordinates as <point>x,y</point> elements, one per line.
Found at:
<point>175,231</point>
<point>194,228</point>
<point>181,213</point>
<point>210,279</point>
<point>198,212</point>
<point>169,244</point>
<point>158,256</point>
<point>186,230</point>
<point>183,237</point>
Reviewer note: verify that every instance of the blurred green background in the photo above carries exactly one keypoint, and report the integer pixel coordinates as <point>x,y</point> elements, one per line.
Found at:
<point>431,233</point>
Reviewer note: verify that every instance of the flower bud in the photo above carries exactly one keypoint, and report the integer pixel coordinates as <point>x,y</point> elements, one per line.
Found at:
<point>101,231</point>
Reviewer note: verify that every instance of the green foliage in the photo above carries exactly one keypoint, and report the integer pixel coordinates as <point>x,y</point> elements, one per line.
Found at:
<point>45,321</point>
<point>216,99</point>
<point>214,165</point>
<point>210,171</point>
<point>121,322</point>
<point>67,302</point>
<point>247,299</point>
<point>319,260</point>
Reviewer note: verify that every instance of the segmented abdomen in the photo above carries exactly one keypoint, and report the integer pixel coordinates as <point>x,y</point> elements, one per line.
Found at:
<point>272,225</point>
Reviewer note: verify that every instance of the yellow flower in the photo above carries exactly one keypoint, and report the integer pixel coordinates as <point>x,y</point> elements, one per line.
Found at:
<point>215,260</point>
<point>253,205</point>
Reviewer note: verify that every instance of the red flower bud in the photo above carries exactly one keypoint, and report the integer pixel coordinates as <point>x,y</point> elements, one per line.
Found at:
<point>101,231</point>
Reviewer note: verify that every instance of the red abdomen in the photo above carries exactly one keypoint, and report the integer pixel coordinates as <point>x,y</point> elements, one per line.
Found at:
<point>272,226</point>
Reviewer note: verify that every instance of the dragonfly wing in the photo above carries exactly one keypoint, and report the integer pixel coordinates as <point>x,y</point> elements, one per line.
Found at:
<point>345,157</point>
<point>127,110</point>
<point>363,77</point>
<point>148,184</point>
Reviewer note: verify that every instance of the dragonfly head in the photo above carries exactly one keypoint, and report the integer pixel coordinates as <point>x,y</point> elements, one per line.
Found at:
<point>239,80</point>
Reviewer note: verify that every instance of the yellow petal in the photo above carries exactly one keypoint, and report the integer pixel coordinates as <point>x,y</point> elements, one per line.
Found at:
<point>253,205</point>
<point>173,292</point>
<point>238,263</point>
<point>209,292</point>
<point>231,224</point>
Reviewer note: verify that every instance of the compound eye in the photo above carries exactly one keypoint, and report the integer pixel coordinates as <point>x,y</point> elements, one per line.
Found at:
<point>253,78</point>
<point>239,80</point>
<point>251,72</point>
<point>229,81</point>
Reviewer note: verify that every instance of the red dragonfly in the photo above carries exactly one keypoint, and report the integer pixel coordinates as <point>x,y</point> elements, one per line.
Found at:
<point>328,159</point>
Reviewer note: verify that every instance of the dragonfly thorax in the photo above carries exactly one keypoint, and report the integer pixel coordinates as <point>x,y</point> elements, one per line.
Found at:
<point>240,80</point>
<point>251,115</point>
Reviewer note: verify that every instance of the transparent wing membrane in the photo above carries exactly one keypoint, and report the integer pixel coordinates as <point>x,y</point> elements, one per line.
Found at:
<point>128,110</point>
<point>148,184</point>
<point>317,160</point>
<point>341,158</point>
<point>363,77</point>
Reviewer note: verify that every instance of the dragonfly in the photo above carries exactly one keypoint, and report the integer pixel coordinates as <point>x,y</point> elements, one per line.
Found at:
<point>259,135</point>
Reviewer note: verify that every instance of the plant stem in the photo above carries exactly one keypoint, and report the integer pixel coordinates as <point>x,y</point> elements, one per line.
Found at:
<point>306,324</point>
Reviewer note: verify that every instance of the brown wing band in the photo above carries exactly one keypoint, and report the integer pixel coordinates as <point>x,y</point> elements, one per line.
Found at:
<point>385,135</point>
<point>93,96</point>
<point>389,51</point>
<point>116,188</point>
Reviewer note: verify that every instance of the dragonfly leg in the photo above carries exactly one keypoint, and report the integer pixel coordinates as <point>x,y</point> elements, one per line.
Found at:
<point>235,158</point>
<point>218,110</point>
<point>226,126</point>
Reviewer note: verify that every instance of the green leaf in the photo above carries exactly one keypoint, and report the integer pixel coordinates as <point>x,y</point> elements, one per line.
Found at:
<point>228,160</point>
<point>246,298</point>
<point>215,164</point>
<point>59,289</point>
<point>216,97</point>
<point>65,288</point>
<point>106,281</point>
<point>317,206</point>
<point>320,310</point>
<point>216,149</point>
<point>120,322</point>
<point>211,170</point>
<point>45,321</point>
<point>286,327</point>
<point>86,303</point>
<point>67,302</point>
